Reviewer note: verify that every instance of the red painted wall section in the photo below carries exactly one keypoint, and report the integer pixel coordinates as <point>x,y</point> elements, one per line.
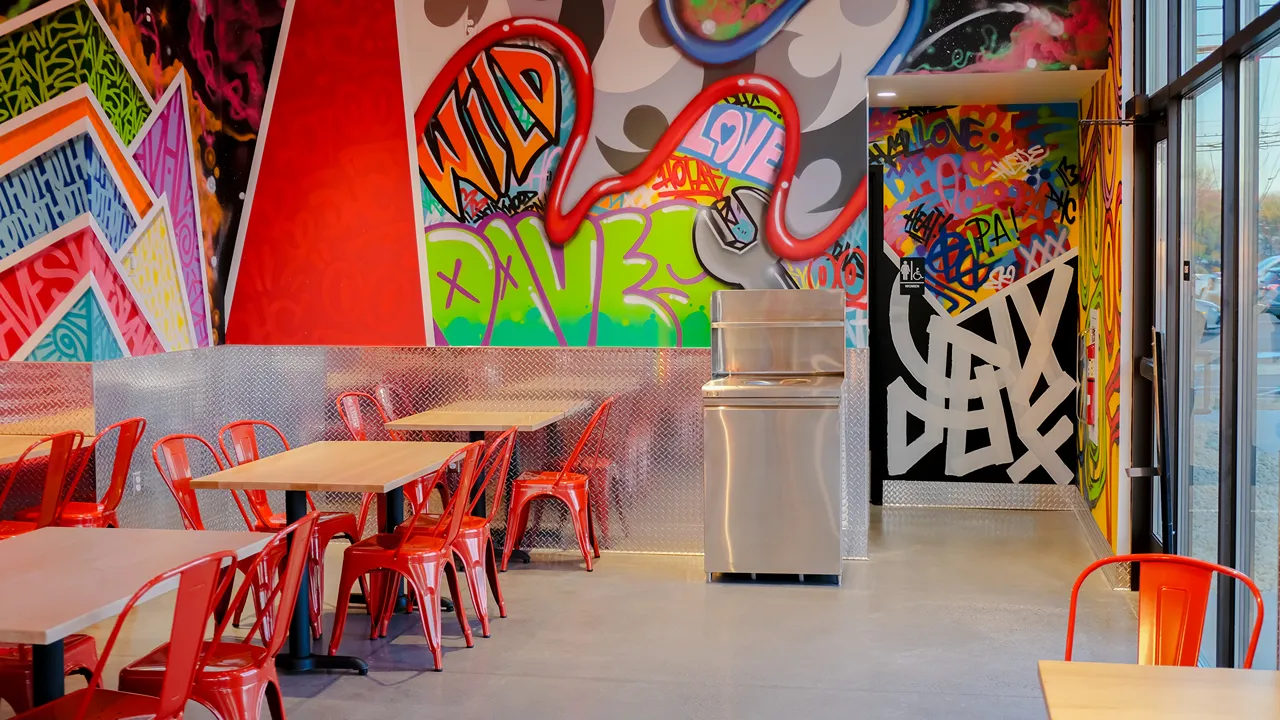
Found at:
<point>329,253</point>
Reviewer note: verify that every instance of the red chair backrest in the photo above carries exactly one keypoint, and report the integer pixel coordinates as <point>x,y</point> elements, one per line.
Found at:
<point>1173,594</point>
<point>592,435</point>
<point>496,462</point>
<point>62,447</point>
<point>386,400</point>
<point>128,437</point>
<point>350,409</point>
<point>450,521</point>
<point>199,588</point>
<point>174,465</point>
<point>283,594</point>
<point>244,442</point>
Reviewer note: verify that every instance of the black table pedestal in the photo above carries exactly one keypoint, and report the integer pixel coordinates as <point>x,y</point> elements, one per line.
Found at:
<point>299,658</point>
<point>48,683</point>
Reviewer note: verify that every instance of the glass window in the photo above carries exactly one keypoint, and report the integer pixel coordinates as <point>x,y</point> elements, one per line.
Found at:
<point>1201,326</point>
<point>1250,9</point>
<point>1157,34</point>
<point>1259,422</point>
<point>1201,29</point>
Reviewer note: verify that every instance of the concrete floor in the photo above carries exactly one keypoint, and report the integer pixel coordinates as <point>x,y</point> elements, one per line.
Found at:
<point>947,620</point>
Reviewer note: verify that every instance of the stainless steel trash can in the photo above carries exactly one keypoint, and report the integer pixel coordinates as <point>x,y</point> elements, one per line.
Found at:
<point>772,433</point>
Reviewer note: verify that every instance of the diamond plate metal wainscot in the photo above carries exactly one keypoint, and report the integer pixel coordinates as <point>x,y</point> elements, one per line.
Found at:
<point>857,366</point>
<point>991,496</point>
<point>39,398</point>
<point>654,433</point>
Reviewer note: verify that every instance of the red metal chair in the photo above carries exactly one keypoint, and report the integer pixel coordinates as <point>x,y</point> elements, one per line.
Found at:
<point>474,544</point>
<point>244,443</point>
<point>198,589</point>
<point>101,513</point>
<point>1172,598</point>
<point>17,677</point>
<point>62,446</point>
<point>419,558</point>
<point>174,464</point>
<point>351,410</point>
<point>237,676</point>
<point>567,485</point>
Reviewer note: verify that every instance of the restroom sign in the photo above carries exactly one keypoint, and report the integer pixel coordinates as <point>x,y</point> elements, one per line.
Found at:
<point>911,276</point>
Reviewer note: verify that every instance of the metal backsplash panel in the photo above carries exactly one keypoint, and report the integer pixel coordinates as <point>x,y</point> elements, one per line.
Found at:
<point>856,458</point>
<point>38,398</point>
<point>992,496</point>
<point>654,433</point>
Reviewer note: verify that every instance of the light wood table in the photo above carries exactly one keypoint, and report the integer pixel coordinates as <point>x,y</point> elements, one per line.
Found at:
<point>62,580</point>
<point>11,447</point>
<point>1105,691</point>
<point>364,467</point>
<point>476,417</point>
<point>480,421</point>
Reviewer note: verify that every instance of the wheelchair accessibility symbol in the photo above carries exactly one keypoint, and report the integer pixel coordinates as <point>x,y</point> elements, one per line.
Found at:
<point>911,276</point>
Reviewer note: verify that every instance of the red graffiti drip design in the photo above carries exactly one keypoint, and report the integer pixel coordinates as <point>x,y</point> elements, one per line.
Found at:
<point>560,225</point>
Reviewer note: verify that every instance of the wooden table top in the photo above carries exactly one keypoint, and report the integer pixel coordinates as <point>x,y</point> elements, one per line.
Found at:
<point>1105,691</point>
<point>456,418</point>
<point>346,466</point>
<point>11,446</point>
<point>58,581</point>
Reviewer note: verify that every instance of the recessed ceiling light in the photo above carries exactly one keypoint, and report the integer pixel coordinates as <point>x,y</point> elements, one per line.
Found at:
<point>886,93</point>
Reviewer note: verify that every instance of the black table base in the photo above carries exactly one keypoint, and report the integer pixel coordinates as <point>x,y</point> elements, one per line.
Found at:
<point>513,471</point>
<point>47,681</point>
<point>299,658</point>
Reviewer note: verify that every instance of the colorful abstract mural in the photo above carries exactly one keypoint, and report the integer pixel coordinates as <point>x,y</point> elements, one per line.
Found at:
<point>977,36</point>
<point>552,213</point>
<point>984,195</point>
<point>1101,241</point>
<point>975,293</point>
<point>148,156</point>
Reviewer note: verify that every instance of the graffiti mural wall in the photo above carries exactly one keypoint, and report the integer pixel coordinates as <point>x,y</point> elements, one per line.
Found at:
<point>125,137</point>
<point>975,293</point>
<point>577,178</point>
<point>1098,439</point>
<point>572,173</point>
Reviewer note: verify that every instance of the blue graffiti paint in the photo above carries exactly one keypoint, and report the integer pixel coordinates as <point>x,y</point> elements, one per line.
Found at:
<point>722,52</point>
<point>904,40</point>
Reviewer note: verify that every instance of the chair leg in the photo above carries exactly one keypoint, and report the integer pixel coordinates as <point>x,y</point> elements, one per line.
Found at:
<point>451,573</point>
<point>591,529</point>
<point>580,529</point>
<point>517,519</point>
<point>275,701</point>
<point>491,568</point>
<point>19,698</point>
<point>315,587</point>
<point>476,581</point>
<point>345,583</point>
<point>421,581</point>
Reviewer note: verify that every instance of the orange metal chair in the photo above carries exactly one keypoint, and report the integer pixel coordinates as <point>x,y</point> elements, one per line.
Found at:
<point>419,558</point>
<point>62,446</point>
<point>236,676</point>
<point>244,448</point>
<point>1172,598</point>
<point>198,590</point>
<point>351,410</point>
<point>174,464</point>
<point>102,513</point>
<point>474,544</point>
<point>17,678</point>
<point>567,486</point>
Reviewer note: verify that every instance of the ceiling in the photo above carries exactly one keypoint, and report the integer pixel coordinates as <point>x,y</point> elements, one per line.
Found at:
<point>982,88</point>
